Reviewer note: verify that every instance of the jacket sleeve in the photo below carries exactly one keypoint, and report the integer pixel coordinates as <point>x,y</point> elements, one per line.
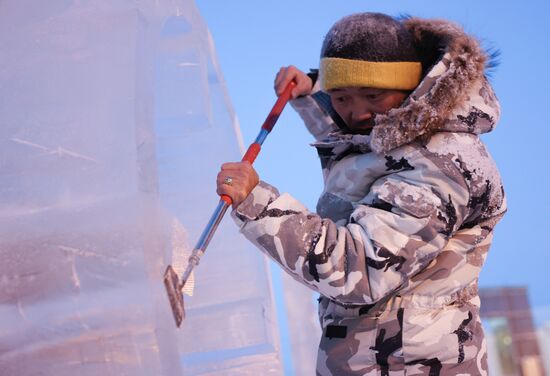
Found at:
<point>315,112</point>
<point>394,232</point>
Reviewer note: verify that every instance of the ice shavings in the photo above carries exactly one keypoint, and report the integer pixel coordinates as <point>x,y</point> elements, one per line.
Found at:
<point>180,255</point>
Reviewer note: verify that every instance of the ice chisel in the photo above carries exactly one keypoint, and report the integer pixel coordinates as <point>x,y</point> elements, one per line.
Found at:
<point>174,288</point>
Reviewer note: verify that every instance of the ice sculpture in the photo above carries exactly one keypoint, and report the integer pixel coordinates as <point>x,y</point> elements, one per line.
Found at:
<point>113,122</point>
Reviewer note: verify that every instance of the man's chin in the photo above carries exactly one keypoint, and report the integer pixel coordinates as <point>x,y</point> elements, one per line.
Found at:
<point>363,131</point>
<point>361,128</point>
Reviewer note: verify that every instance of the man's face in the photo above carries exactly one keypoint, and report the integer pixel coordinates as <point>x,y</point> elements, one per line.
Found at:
<point>358,106</point>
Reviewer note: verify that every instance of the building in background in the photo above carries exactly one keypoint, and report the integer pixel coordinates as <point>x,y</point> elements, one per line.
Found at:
<point>512,341</point>
<point>543,335</point>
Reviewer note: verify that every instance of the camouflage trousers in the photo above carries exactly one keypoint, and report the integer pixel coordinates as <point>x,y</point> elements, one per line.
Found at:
<point>399,338</point>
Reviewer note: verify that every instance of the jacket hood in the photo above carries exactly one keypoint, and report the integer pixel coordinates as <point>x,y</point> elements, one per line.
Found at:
<point>454,94</point>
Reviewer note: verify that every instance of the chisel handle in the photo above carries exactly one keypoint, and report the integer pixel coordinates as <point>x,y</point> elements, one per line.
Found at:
<point>267,126</point>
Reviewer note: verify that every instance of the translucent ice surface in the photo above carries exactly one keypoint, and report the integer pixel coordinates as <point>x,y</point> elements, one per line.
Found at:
<point>114,120</point>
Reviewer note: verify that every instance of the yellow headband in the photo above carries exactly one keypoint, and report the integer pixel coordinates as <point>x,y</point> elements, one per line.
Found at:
<point>338,73</point>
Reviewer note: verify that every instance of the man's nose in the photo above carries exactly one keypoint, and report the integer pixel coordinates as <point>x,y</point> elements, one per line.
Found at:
<point>361,114</point>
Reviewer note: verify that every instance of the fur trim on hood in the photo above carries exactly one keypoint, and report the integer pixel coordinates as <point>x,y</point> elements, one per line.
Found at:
<point>454,94</point>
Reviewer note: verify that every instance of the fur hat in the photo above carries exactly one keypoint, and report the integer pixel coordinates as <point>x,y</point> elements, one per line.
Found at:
<point>370,50</point>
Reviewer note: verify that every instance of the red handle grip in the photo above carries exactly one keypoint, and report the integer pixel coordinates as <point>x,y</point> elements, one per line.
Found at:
<point>278,107</point>
<point>250,156</point>
<point>254,148</point>
<point>252,152</point>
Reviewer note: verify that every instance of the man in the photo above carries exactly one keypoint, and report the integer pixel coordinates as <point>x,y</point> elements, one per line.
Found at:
<point>410,201</point>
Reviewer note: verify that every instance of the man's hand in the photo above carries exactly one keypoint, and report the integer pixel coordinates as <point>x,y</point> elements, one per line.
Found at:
<point>236,180</point>
<point>287,74</point>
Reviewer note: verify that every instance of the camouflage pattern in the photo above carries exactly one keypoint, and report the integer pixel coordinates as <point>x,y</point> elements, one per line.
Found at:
<point>400,234</point>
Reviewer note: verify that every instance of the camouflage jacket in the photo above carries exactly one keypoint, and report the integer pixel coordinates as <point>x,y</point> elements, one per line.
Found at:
<point>403,226</point>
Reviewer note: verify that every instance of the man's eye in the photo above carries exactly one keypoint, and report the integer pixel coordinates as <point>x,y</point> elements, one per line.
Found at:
<point>340,99</point>
<point>373,96</point>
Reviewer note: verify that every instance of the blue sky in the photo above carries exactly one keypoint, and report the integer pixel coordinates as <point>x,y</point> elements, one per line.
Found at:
<point>254,39</point>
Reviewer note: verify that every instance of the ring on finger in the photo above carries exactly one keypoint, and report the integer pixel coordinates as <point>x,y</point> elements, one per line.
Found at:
<point>228,181</point>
